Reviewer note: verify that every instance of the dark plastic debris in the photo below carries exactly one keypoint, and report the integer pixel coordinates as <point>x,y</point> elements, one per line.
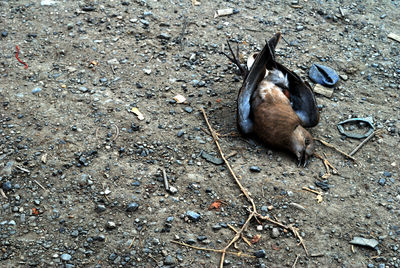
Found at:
<point>323,75</point>
<point>367,120</point>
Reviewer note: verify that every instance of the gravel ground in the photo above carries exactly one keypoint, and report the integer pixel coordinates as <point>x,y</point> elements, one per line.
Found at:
<point>82,176</point>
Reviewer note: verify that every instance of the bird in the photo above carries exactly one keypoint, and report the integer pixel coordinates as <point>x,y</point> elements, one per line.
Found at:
<point>274,104</point>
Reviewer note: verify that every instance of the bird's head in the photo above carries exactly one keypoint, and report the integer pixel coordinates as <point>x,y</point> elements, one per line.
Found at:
<point>302,145</point>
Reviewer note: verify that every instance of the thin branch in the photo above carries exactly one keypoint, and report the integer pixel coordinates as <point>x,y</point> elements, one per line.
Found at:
<point>365,141</point>
<point>338,150</point>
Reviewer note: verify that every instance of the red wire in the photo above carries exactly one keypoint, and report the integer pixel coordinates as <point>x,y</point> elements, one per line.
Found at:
<point>16,55</point>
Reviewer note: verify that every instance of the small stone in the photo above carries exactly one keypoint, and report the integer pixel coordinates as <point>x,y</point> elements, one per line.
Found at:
<point>260,253</point>
<point>275,232</point>
<point>194,216</point>
<point>382,181</point>
<point>47,3</point>
<point>164,36</point>
<point>216,227</point>
<point>255,169</point>
<point>111,225</point>
<point>36,90</point>
<point>188,109</point>
<point>387,174</point>
<point>147,71</point>
<point>4,34</point>
<point>344,77</point>
<point>100,208</point>
<point>132,207</point>
<point>6,186</point>
<point>299,27</point>
<point>88,8</point>
<point>66,257</point>
<point>180,133</point>
<point>172,190</point>
<point>169,260</point>
<point>259,227</point>
<point>83,89</point>
<point>113,62</point>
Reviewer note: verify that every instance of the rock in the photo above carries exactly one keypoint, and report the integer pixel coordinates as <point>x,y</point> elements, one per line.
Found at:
<point>169,260</point>
<point>164,36</point>
<point>66,257</point>
<point>36,90</point>
<point>255,169</point>
<point>48,3</point>
<point>188,109</point>
<point>100,208</point>
<point>382,181</point>
<point>212,159</point>
<point>113,62</point>
<point>4,34</point>
<point>260,253</point>
<point>83,89</point>
<point>324,91</point>
<point>6,186</point>
<point>132,207</point>
<point>194,216</point>
<point>111,225</point>
<point>344,77</point>
<point>360,241</point>
<point>275,232</point>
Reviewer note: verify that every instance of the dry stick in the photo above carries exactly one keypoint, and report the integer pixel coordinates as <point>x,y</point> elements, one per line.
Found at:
<point>41,186</point>
<point>295,261</point>
<point>338,150</point>
<point>253,210</point>
<point>117,133</point>
<point>365,141</point>
<point>165,180</point>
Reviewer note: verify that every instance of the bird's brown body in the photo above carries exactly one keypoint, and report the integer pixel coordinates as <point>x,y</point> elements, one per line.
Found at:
<point>276,105</point>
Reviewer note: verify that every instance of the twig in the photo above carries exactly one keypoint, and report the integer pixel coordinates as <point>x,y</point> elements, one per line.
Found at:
<point>2,193</point>
<point>239,254</point>
<point>131,244</point>
<point>165,180</point>
<point>23,169</point>
<point>117,133</point>
<point>365,141</point>
<point>252,211</point>
<point>295,261</point>
<point>41,186</point>
<point>338,150</point>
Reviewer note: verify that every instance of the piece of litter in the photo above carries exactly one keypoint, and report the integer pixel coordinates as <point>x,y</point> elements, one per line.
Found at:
<point>394,36</point>
<point>179,98</point>
<point>360,241</point>
<point>323,75</point>
<point>137,113</point>
<point>324,91</point>
<point>223,12</point>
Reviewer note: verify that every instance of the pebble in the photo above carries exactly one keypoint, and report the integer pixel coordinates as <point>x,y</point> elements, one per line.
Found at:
<point>36,90</point>
<point>188,109</point>
<point>132,207</point>
<point>382,181</point>
<point>48,3</point>
<point>6,186</point>
<point>66,257</point>
<point>255,169</point>
<point>111,225</point>
<point>169,260</point>
<point>194,216</point>
<point>4,34</point>
<point>100,208</point>
<point>260,253</point>
<point>83,89</point>
<point>275,232</point>
<point>164,36</point>
<point>180,133</point>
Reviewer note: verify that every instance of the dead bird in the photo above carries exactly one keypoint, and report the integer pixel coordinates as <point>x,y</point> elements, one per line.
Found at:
<point>275,104</point>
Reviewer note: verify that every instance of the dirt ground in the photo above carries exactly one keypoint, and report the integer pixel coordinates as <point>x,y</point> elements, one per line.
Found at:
<point>82,176</point>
